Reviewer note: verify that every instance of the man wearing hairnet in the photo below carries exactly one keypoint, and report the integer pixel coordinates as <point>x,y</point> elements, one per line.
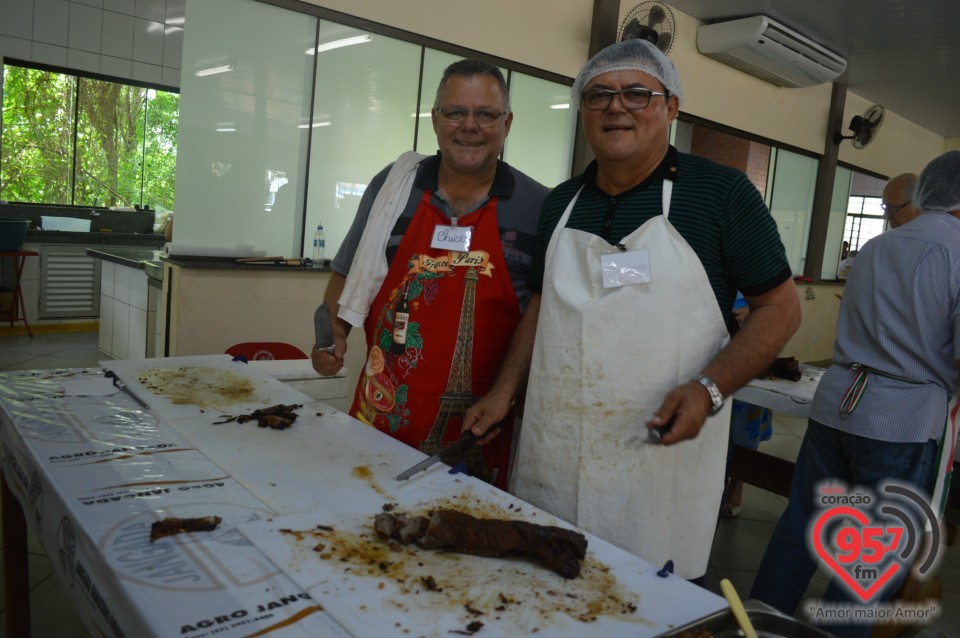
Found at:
<point>883,410</point>
<point>639,262</point>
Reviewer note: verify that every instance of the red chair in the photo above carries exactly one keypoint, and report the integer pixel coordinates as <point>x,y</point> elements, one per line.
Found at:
<point>260,350</point>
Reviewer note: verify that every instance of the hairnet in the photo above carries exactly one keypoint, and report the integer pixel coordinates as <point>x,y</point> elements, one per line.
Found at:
<point>630,55</point>
<point>938,190</point>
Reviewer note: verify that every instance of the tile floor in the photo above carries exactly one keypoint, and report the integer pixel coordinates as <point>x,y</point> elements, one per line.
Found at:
<point>737,549</point>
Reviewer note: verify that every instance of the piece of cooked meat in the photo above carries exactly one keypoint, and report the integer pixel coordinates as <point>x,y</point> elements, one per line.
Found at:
<point>785,368</point>
<point>556,548</point>
<point>170,526</point>
<point>275,417</point>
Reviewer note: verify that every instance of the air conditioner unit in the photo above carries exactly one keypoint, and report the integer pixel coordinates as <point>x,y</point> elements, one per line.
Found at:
<point>760,46</point>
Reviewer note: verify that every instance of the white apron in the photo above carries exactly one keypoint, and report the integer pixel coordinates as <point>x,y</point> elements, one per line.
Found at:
<point>603,361</point>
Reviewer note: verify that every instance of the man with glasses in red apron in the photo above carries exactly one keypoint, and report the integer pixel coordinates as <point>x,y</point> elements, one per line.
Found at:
<point>641,257</point>
<point>435,269</point>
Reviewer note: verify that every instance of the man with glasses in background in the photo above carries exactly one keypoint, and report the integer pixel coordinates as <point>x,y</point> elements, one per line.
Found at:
<point>637,268</point>
<point>898,207</point>
<point>435,268</point>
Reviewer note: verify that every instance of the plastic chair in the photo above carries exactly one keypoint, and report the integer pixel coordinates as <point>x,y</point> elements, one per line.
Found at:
<point>261,350</point>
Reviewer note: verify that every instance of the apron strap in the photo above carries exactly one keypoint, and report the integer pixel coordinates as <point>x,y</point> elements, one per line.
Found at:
<point>667,193</point>
<point>851,398</point>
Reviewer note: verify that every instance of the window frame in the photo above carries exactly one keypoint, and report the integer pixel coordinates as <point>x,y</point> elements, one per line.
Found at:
<point>76,75</point>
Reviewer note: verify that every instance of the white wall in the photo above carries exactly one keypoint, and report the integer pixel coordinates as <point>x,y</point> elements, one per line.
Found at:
<point>133,39</point>
<point>553,35</point>
<point>722,94</point>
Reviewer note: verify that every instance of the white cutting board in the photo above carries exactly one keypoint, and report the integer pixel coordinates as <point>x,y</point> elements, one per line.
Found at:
<point>325,457</point>
<point>511,597</point>
<point>266,390</point>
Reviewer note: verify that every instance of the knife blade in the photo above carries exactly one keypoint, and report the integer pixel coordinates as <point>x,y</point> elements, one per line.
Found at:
<point>110,374</point>
<point>466,442</point>
<point>323,328</point>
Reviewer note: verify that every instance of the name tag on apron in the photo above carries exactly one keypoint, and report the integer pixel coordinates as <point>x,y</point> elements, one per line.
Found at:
<point>452,238</point>
<point>625,268</point>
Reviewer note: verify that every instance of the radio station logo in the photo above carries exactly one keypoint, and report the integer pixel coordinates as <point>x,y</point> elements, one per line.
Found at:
<point>870,541</point>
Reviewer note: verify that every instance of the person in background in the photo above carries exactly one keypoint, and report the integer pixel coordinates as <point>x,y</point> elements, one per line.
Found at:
<point>881,410</point>
<point>435,269</point>
<point>843,270</point>
<point>897,199</point>
<point>898,209</point>
<point>638,262</point>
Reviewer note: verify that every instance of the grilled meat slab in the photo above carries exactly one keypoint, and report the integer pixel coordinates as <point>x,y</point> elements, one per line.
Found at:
<point>556,548</point>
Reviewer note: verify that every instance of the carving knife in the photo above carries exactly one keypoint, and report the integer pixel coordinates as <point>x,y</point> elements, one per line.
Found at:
<point>110,374</point>
<point>465,442</point>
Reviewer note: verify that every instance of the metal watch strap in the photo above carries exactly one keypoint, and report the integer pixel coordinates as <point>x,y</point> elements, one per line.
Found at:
<point>716,397</point>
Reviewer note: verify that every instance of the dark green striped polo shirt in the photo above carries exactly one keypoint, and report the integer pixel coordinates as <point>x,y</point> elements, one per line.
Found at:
<point>714,208</point>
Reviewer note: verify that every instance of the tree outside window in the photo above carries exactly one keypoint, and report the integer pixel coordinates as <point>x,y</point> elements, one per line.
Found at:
<point>86,142</point>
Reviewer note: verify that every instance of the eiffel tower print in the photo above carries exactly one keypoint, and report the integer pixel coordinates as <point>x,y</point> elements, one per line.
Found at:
<point>458,396</point>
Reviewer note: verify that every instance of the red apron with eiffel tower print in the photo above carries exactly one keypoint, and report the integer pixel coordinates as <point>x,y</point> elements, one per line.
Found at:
<point>436,335</point>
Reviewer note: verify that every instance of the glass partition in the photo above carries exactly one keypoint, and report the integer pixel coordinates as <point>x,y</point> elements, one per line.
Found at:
<point>541,137</point>
<point>434,62</point>
<point>833,250</point>
<point>245,94</point>
<point>791,203</point>
<point>366,91</point>
<point>261,168</point>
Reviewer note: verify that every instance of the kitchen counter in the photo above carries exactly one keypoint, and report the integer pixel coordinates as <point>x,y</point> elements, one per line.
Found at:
<point>94,238</point>
<point>130,256</point>
<point>222,263</point>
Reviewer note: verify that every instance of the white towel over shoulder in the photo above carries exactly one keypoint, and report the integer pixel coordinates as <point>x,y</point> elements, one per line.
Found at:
<point>369,267</point>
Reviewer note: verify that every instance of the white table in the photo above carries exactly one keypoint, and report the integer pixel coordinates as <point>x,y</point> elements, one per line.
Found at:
<point>91,473</point>
<point>782,395</point>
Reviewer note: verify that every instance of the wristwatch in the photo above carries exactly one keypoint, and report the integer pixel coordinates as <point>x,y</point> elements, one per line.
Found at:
<point>716,397</point>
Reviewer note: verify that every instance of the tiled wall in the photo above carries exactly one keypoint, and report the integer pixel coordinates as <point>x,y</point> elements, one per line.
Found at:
<point>132,39</point>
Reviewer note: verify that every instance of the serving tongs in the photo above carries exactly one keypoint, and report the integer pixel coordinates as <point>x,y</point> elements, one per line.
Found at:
<point>466,442</point>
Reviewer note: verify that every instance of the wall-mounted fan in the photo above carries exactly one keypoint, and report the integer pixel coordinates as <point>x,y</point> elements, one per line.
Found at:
<point>652,21</point>
<point>864,127</point>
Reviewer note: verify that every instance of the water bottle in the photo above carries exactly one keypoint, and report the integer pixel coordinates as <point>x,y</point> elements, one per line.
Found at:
<point>319,245</point>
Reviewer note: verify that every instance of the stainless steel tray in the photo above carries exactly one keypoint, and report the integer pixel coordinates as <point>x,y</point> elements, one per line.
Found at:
<point>768,622</point>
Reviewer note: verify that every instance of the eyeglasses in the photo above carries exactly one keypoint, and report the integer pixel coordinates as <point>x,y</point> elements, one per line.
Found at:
<point>483,117</point>
<point>632,99</point>
<point>890,211</point>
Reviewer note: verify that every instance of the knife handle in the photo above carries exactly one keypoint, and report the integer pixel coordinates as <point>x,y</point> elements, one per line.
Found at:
<point>656,433</point>
<point>466,441</point>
